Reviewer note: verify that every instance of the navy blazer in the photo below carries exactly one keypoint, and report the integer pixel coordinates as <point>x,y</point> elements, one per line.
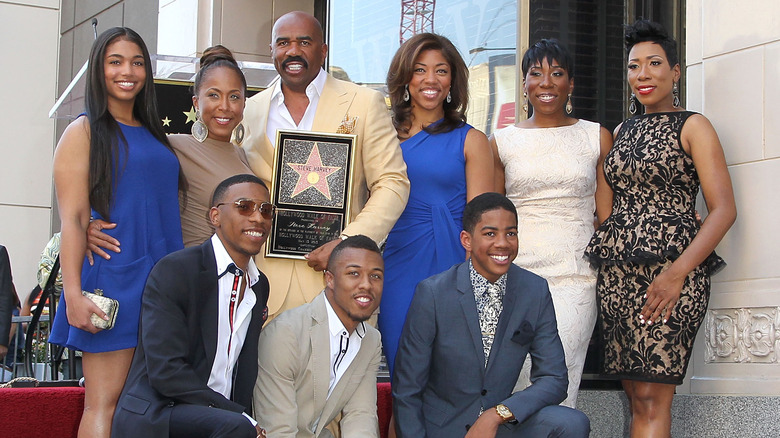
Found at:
<point>177,345</point>
<point>440,381</point>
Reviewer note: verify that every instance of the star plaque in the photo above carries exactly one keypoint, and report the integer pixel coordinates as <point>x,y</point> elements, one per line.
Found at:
<point>311,187</point>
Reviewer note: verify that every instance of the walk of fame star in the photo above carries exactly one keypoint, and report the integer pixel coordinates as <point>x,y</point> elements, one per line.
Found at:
<point>313,174</point>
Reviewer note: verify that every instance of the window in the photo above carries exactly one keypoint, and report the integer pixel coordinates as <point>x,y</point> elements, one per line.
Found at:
<point>363,37</point>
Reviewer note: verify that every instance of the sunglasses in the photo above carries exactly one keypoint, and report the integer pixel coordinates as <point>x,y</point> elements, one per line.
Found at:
<point>247,207</point>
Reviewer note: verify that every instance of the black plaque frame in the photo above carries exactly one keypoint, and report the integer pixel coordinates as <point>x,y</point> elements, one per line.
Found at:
<point>312,190</point>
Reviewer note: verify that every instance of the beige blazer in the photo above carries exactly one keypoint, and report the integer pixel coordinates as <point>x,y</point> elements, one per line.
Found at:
<point>379,169</point>
<point>291,392</point>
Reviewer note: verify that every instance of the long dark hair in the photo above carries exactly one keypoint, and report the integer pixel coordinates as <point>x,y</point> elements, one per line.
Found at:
<point>105,134</point>
<point>401,71</point>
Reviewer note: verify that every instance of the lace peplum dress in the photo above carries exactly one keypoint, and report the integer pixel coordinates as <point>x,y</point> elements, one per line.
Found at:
<point>550,176</point>
<point>653,220</point>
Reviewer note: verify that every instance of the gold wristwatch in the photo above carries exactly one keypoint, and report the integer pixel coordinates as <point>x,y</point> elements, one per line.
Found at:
<point>504,413</point>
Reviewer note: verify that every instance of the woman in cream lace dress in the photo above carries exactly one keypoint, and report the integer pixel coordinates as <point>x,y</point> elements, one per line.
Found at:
<point>547,166</point>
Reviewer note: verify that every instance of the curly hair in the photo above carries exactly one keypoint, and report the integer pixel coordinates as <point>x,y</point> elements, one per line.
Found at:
<point>645,30</point>
<point>401,72</point>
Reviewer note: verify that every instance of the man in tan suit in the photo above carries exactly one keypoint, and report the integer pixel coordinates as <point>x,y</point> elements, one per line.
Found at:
<point>307,98</point>
<point>320,359</point>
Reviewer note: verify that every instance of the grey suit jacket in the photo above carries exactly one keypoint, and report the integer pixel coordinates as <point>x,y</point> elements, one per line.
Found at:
<point>440,381</point>
<point>291,392</point>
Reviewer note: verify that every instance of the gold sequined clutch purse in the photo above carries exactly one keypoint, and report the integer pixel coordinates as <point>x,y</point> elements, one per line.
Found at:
<point>108,305</point>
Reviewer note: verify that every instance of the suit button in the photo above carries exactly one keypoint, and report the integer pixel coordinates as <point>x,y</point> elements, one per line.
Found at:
<point>468,426</point>
<point>170,404</point>
<point>484,391</point>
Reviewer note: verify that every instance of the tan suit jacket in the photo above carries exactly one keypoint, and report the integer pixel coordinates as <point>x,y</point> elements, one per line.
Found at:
<point>291,392</point>
<point>379,169</point>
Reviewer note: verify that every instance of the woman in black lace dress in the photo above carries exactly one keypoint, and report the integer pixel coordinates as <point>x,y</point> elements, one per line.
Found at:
<point>653,256</point>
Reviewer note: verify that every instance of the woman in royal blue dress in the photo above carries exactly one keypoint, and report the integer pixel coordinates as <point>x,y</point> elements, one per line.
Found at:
<point>448,162</point>
<point>115,164</point>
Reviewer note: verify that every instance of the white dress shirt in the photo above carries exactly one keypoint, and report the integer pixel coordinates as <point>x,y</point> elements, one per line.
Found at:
<point>343,346</point>
<point>221,377</point>
<point>279,116</point>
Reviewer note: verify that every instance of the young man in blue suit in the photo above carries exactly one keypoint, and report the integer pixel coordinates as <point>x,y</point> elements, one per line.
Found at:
<point>466,336</point>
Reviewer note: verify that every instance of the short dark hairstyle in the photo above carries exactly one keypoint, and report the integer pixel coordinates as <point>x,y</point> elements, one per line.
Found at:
<point>222,187</point>
<point>358,241</point>
<point>548,50</point>
<point>645,30</point>
<point>216,56</point>
<point>482,203</point>
<point>400,74</point>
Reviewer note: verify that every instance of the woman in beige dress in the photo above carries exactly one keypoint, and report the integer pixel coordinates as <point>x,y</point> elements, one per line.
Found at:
<point>547,166</point>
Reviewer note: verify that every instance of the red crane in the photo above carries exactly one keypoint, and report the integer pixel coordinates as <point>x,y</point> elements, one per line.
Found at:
<point>416,17</point>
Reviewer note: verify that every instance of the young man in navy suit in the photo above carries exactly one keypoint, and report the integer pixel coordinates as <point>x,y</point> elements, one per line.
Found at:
<point>202,311</point>
<point>466,336</point>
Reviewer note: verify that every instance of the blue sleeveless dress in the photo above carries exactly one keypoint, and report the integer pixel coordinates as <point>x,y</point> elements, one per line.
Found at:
<point>145,208</point>
<point>426,239</point>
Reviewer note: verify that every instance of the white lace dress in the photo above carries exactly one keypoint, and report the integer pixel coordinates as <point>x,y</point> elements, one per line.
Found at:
<point>550,176</point>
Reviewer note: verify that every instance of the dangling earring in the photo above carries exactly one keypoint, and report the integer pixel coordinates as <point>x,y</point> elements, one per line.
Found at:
<point>676,94</point>
<point>525,102</point>
<point>406,93</point>
<point>569,107</point>
<point>199,130</point>
<point>449,96</point>
<point>238,134</point>
<point>632,104</point>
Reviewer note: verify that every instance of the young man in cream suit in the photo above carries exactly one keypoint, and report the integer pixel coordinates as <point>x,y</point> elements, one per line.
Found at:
<point>307,98</point>
<point>320,359</point>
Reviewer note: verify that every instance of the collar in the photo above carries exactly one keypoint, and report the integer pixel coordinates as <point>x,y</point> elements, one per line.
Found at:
<point>334,323</point>
<point>480,283</point>
<point>224,260</point>
<point>315,87</point>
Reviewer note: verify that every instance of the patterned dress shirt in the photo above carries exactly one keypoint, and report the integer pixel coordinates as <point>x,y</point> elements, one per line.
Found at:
<point>489,297</point>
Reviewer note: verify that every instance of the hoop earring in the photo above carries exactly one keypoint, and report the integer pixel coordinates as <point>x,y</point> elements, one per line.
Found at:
<point>449,96</point>
<point>199,130</point>
<point>632,104</point>
<point>676,94</point>
<point>525,102</point>
<point>569,107</point>
<point>406,93</point>
<point>238,134</point>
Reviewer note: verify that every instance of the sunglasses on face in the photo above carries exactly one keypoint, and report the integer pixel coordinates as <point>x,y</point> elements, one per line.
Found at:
<point>247,207</point>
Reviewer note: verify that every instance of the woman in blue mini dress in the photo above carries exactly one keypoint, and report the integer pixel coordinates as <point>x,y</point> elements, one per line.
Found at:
<point>115,164</point>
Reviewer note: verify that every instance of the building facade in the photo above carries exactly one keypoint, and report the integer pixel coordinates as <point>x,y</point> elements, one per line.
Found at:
<point>731,64</point>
